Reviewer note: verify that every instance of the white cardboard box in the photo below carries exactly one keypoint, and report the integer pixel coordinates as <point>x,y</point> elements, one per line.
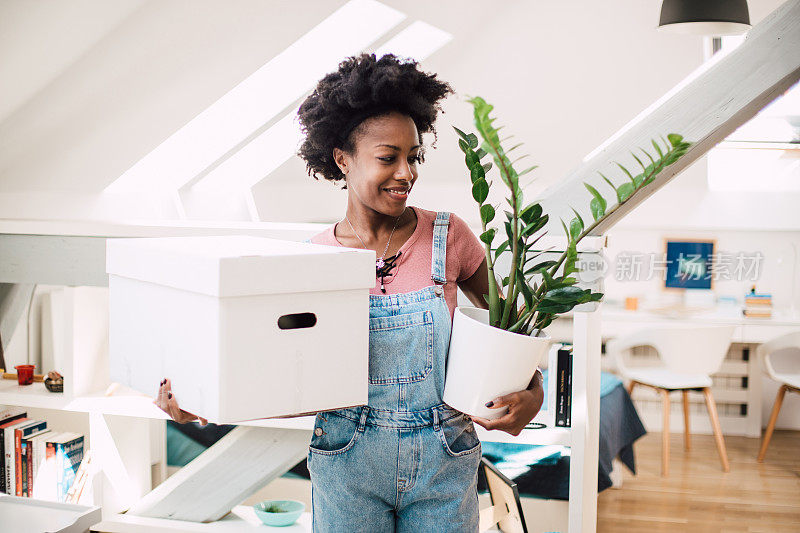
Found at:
<point>206,312</point>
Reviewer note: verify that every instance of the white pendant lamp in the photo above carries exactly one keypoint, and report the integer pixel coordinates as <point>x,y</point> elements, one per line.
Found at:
<point>705,17</point>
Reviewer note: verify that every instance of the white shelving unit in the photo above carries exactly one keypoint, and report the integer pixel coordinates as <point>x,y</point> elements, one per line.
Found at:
<point>125,424</point>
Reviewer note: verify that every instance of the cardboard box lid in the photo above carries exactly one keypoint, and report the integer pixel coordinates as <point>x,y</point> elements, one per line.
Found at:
<point>240,265</point>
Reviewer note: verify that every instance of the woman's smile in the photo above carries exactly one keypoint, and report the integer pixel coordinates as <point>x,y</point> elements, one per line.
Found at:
<point>399,194</point>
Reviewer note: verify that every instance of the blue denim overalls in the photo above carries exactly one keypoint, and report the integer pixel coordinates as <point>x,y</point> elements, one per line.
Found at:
<point>405,461</point>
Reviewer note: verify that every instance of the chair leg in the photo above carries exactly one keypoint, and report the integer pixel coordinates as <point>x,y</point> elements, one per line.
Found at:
<point>665,434</point>
<point>630,387</point>
<point>686,443</point>
<point>712,412</point>
<point>771,426</point>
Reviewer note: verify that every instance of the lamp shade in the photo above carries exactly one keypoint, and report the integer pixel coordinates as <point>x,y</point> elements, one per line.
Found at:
<point>705,17</point>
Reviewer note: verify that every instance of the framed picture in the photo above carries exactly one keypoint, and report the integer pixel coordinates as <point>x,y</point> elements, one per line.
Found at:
<point>689,264</point>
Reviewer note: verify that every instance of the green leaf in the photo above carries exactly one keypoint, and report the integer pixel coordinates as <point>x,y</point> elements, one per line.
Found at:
<point>463,145</point>
<point>476,173</point>
<point>625,170</point>
<point>563,225</point>
<point>625,191</point>
<point>480,190</point>
<point>571,259</point>
<point>534,226</point>
<point>527,170</point>
<point>500,249</point>
<point>674,139</point>
<point>462,134</point>
<point>480,152</point>
<point>564,294</point>
<point>612,186</point>
<point>598,203</point>
<point>487,167</point>
<point>488,236</point>
<point>575,227</point>
<point>487,213</point>
<point>658,148</point>
<point>472,139</point>
<point>531,212</point>
<point>523,287</point>
<point>652,161</point>
<point>540,266</point>
<point>639,161</point>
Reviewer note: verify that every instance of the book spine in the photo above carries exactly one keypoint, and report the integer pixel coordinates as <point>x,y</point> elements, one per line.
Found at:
<point>29,466</point>
<point>552,364</point>
<point>7,417</point>
<point>561,388</point>
<point>50,459</point>
<point>9,457</point>
<point>3,462</point>
<point>569,391</point>
<point>60,492</point>
<point>18,462</point>
<point>73,455</point>
<point>24,467</point>
<point>34,466</point>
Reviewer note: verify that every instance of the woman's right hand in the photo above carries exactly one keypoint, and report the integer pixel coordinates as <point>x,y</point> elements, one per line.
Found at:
<point>166,402</point>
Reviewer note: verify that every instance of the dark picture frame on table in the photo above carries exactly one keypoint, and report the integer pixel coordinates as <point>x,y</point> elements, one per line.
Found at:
<point>689,264</point>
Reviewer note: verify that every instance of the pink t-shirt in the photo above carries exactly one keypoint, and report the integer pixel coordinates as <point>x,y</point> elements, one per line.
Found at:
<point>412,271</point>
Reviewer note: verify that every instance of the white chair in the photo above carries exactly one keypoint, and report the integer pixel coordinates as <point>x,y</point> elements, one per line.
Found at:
<point>690,354</point>
<point>780,358</point>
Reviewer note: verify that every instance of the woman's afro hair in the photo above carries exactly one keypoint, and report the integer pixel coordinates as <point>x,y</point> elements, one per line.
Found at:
<point>364,87</point>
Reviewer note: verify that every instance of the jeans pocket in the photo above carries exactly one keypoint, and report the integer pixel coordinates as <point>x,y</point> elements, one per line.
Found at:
<point>401,348</point>
<point>333,434</point>
<point>458,436</point>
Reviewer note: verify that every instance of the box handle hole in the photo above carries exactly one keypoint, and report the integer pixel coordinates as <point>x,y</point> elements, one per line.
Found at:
<point>297,321</point>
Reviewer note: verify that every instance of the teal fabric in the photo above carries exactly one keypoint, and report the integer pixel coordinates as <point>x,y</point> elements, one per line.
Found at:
<point>181,450</point>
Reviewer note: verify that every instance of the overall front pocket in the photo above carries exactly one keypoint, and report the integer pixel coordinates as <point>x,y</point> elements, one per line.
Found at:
<point>400,348</point>
<point>458,436</point>
<point>333,434</point>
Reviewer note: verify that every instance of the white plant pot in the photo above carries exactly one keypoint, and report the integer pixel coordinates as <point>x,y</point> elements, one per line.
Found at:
<point>486,362</point>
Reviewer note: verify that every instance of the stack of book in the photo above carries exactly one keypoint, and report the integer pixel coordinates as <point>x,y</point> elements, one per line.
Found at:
<point>36,462</point>
<point>758,305</point>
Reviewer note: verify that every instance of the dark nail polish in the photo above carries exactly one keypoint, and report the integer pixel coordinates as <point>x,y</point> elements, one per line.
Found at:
<point>489,404</point>
<point>169,396</point>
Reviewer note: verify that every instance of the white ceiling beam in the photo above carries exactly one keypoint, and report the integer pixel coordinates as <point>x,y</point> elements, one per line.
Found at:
<point>709,105</point>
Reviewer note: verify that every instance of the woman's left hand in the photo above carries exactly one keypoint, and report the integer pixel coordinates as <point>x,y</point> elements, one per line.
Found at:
<point>523,406</point>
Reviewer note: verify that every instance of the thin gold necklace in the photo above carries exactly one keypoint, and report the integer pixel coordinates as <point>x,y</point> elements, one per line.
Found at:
<point>379,263</point>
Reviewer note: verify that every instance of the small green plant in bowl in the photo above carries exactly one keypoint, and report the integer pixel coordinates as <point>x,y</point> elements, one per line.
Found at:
<point>279,512</point>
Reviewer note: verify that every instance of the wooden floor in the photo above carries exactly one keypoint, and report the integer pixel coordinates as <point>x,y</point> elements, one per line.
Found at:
<point>698,496</point>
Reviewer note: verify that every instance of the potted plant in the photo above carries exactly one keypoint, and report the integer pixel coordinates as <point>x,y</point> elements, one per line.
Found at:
<point>496,351</point>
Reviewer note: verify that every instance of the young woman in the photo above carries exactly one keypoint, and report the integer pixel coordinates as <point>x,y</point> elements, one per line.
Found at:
<point>405,461</point>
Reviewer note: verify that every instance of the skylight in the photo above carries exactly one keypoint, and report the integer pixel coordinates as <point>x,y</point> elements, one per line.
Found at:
<point>259,98</point>
<point>276,145</point>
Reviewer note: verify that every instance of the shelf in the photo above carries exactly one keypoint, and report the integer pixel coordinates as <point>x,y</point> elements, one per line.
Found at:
<point>33,395</point>
<point>28,514</point>
<point>242,519</point>
<point>124,402</point>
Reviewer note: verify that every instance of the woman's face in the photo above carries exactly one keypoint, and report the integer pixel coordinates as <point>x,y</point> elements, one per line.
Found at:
<point>383,166</point>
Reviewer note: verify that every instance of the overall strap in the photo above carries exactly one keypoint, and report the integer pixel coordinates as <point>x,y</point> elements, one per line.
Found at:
<point>439,252</point>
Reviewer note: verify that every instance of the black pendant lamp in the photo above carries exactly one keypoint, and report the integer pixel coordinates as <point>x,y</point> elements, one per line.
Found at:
<point>705,17</point>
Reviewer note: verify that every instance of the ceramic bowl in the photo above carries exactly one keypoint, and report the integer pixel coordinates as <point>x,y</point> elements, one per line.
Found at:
<point>279,512</point>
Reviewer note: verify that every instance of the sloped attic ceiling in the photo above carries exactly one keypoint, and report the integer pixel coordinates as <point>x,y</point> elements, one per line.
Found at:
<point>130,81</point>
